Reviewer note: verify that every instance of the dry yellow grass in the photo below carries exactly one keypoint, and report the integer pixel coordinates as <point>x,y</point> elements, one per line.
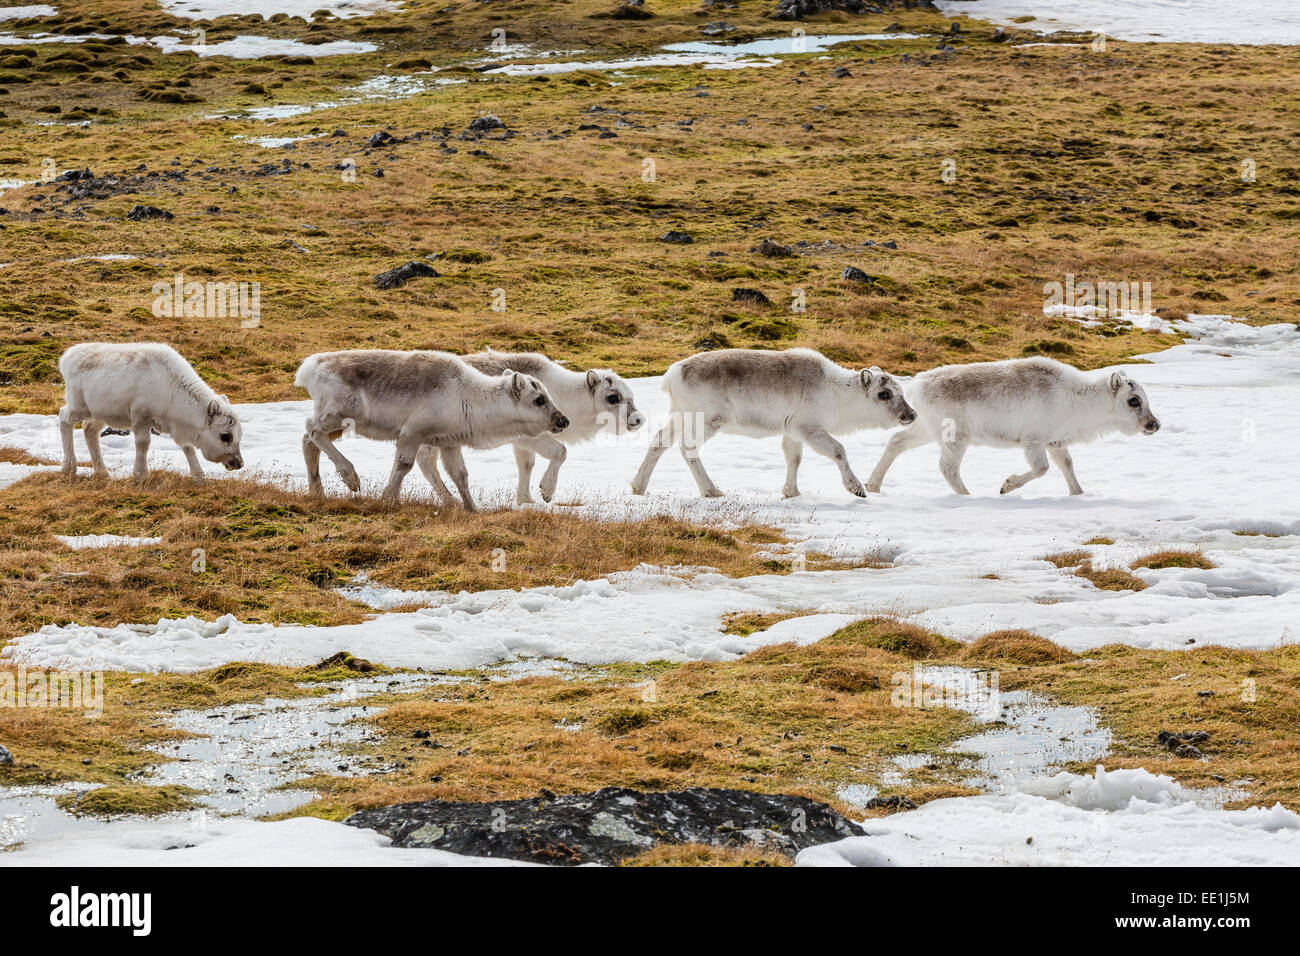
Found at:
<point>268,554</point>
<point>788,719</point>
<point>1015,647</point>
<point>1173,558</point>
<point>1067,162</point>
<point>699,854</point>
<point>746,623</point>
<point>1107,579</point>
<point>60,744</point>
<point>783,719</point>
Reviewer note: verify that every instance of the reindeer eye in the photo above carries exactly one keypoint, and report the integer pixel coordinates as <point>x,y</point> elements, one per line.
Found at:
<point>884,396</point>
<point>541,400</point>
<point>613,400</point>
<point>1135,402</point>
<point>225,437</point>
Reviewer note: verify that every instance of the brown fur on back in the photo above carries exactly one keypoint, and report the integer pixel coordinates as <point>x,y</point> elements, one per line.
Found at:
<point>983,381</point>
<point>496,363</point>
<point>383,372</point>
<point>730,369</point>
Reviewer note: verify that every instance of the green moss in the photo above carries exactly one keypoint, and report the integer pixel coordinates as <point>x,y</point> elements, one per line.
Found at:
<point>128,799</point>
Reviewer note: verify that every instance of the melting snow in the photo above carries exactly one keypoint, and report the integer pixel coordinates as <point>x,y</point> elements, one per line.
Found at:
<point>1109,818</point>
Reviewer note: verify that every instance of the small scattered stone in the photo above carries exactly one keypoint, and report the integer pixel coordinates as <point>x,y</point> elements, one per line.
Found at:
<point>840,72</point>
<point>381,138</point>
<point>895,802</point>
<point>752,296</point>
<point>396,278</point>
<point>854,274</point>
<point>631,10</point>
<point>677,237</point>
<point>773,249</point>
<point>1183,744</point>
<point>74,175</point>
<point>144,213</point>
<point>486,124</point>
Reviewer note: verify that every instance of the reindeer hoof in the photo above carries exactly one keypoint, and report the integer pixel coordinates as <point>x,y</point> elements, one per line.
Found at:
<point>711,493</point>
<point>1007,486</point>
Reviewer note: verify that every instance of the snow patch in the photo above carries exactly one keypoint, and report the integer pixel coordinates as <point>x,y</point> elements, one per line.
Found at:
<point>1109,818</point>
<point>79,542</point>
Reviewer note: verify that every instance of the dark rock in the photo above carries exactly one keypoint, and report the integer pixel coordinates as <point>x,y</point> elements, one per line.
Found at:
<point>344,659</point>
<point>626,11</point>
<point>144,213</point>
<point>381,139</point>
<point>752,296</point>
<point>891,803</point>
<point>854,274</point>
<point>1183,744</point>
<point>772,249</point>
<point>677,237</point>
<point>396,278</point>
<point>608,825</point>
<point>717,28</point>
<point>485,124</point>
<point>801,9</point>
<point>840,72</point>
<point>74,175</point>
<point>6,758</point>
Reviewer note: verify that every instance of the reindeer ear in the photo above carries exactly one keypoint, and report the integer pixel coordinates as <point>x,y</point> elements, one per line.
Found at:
<point>865,376</point>
<point>593,379</point>
<point>516,385</point>
<point>214,409</point>
<point>1117,381</point>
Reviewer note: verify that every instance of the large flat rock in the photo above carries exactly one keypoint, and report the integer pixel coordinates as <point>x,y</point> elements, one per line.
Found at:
<point>609,825</point>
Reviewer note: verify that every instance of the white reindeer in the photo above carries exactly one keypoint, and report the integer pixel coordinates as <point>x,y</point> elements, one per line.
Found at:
<point>593,401</point>
<point>427,402</point>
<point>1037,404</point>
<point>798,394</point>
<point>143,387</point>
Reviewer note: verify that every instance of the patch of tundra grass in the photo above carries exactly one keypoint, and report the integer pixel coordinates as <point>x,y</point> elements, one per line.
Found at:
<point>1173,559</point>
<point>128,800</point>
<point>782,719</point>
<point>811,719</point>
<point>271,554</point>
<point>1066,162</point>
<point>745,623</point>
<point>60,744</point>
